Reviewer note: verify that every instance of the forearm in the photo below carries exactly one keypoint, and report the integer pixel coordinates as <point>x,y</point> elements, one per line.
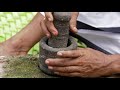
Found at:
<point>33,31</point>
<point>31,34</point>
<point>111,65</point>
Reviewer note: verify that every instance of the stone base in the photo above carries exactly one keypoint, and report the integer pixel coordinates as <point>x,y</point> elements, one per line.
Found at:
<point>50,52</point>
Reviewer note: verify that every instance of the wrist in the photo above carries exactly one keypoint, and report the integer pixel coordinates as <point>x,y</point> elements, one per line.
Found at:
<point>115,63</point>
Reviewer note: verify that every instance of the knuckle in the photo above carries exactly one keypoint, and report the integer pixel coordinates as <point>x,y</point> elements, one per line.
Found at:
<point>67,53</point>
<point>51,28</point>
<point>73,53</point>
<point>72,26</point>
<point>46,14</point>
<point>72,22</point>
<point>63,62</point>
<point>66,69</point>
<point>59,62</point>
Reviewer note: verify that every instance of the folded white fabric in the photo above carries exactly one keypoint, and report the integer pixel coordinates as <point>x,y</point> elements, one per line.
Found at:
<point>42,13</point>
<point>100,19</point>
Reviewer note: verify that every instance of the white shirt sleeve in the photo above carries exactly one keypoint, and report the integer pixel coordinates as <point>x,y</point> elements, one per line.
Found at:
<point>42,13</point>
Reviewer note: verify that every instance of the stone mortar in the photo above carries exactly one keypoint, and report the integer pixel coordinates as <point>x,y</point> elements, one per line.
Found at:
<point>50,46</point>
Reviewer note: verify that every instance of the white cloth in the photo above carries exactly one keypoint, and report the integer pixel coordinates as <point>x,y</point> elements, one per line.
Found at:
<point>106,40</point>
<point>100,19</point>
<point>42,13</point>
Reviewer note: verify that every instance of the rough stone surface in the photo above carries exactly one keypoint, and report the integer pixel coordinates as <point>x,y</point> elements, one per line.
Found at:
<point>50,52</point>
<point>50,46</point>
<point>61,22</point>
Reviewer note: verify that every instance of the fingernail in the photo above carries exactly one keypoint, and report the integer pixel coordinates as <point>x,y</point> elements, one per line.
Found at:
<point>59,53</point>
<point>54,33</point>
<point>50,67</point>
<point>47,62</point>
<point>49,19</point>
<point>75,29</point>
<point>47,35</point>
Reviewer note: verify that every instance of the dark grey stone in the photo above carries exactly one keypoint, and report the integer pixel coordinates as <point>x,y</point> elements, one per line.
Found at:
<point>50,52</point>
<point>61,22</point>
<point>50,46</point>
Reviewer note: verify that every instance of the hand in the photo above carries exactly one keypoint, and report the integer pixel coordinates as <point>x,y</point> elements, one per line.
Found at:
<point>83,62</point>
<point>49,28</point>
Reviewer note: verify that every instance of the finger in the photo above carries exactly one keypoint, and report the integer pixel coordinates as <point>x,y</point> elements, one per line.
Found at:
<point>75,74</point>
<point>71,54</point>
<point>73,22</point>
<point>52,28</point>
<point>61,62</point>
<point>44,28</point>
<point>67,69</point>
<point>49,16</point>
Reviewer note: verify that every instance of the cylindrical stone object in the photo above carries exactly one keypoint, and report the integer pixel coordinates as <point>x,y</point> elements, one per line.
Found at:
<point>61,23</point>
<point>47,51</point>
<point>62,42</point>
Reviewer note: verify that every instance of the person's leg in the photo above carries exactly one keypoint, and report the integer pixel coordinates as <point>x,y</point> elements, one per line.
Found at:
<point>24,40</point>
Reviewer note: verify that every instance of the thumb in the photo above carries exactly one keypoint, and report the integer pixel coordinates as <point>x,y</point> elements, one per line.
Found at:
<point>73,21</point>
<point>49,16</point>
